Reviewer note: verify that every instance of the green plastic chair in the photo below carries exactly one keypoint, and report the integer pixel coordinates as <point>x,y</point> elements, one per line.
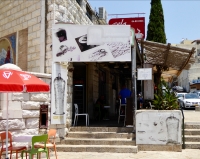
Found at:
<point>33,150</point>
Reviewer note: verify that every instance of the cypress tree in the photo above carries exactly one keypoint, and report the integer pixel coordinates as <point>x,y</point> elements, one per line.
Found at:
<point>156,26</point>
<point>156,33</point>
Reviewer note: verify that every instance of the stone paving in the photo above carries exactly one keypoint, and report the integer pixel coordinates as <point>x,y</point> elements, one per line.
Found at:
<point>190,116</point>
<point>185,154</point>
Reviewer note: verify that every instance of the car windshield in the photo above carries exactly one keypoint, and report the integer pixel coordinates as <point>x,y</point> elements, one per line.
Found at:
<point>191,96</point>
<point>179,95</point>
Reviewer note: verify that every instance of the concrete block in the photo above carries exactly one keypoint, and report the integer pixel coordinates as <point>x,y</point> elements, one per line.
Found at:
<point>12,124</point>
<point>32,123</point>
<point>12,114</point>
<point>32,21</point>
<point>14,105</point>
<point>6,96</point>
<point>29,105</point>
<point>17,96</point>
<point>42,97</point>
<point>30,113</point>
<point>32,131</point>
<point>26,96</point>
<point>36,13</point>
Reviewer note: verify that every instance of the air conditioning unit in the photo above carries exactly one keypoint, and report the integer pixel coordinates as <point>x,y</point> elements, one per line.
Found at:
<point>102,13</point>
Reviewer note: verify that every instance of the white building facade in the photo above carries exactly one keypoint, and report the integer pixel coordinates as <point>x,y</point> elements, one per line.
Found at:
<point>192,75</point>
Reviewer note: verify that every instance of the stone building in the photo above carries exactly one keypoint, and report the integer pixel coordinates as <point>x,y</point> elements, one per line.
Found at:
<point>25,32</point>
<point>192,75</point>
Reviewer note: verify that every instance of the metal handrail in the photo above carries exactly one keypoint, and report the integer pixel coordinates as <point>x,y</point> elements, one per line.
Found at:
<point>183,128</point>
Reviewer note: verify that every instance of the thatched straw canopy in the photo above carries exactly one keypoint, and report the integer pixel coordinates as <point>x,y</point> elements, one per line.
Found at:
<point>175,58</point>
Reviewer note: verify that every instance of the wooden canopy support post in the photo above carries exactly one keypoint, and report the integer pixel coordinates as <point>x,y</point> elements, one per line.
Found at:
<point>166,54</point>
<point>186,62</point>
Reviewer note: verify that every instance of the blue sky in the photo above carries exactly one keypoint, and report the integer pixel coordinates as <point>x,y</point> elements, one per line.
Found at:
<point>182,17</point>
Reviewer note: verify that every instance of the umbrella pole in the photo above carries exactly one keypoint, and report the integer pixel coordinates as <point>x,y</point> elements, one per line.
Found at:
<point>7,128</point>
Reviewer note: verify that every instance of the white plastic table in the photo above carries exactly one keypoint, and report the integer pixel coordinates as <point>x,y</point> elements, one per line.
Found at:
<point>23,138</point>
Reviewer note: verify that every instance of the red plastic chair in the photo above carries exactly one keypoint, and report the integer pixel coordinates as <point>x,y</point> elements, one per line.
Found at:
<point>11,148</point>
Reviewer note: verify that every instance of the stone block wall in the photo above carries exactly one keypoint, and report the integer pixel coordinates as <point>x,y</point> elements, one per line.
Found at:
<point>24,111</point>
<point>27,106</point>
<point>19,15</point>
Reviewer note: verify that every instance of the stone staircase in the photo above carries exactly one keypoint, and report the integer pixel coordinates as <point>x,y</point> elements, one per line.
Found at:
<point>192,135</point>
<point>99,139</point>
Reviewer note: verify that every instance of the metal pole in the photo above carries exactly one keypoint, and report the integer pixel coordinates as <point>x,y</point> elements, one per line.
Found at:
<point>134,91</point>
<point>7,127</point>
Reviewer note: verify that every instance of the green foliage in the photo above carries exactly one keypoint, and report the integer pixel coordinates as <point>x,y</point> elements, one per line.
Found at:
<point>156,27</point>
<point>165,99</point>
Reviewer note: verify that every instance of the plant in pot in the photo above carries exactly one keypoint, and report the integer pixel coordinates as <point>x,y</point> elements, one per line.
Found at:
<point>165,99</point>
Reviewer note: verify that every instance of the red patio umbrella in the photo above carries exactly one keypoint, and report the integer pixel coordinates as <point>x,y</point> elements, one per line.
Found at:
<point>19,81</point>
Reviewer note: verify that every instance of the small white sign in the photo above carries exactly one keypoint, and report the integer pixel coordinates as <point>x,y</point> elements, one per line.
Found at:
<point>144,74</point>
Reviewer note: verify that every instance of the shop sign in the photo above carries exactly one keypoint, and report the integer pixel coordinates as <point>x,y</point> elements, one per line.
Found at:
<point>137,23</point>
<point>91,43</point>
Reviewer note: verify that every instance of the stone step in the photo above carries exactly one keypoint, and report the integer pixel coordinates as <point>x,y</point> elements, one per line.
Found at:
<point>192,131</point>
<point>97,148</point>
<point>192,145</point>
<point>85,134</point>
<point>192,138</point>
<point>91,141</point>
<point>192,125</point>
<point>102,129</point>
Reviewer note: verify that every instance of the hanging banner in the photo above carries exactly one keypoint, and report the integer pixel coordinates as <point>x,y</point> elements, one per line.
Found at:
<point>58,94</point>
<point>89,43</point>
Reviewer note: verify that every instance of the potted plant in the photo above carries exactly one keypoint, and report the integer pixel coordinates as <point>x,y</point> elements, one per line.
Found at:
<point>165,99</point>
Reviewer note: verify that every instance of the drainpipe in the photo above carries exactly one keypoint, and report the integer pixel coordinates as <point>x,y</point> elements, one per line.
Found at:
<point>42,36</point>
<point>17,43</point>
<point>134,91</point>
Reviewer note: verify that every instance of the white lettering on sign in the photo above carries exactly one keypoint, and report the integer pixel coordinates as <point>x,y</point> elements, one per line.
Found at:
<point>7,74</point>
<point>25,76</point>
<point>137,21</point>
<point>120,23</point>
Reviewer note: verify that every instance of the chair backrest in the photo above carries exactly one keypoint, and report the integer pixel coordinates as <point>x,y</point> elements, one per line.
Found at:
<point>40,138</point>
<point>51,136</point>
<point>151,105</point>
<point>76,108</point>
<point>3,138</point>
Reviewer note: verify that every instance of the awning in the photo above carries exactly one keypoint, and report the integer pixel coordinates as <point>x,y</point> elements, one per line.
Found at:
<point>175,58</point>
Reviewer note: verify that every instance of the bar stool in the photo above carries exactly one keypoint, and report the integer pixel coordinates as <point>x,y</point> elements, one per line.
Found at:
<point>121,114</point>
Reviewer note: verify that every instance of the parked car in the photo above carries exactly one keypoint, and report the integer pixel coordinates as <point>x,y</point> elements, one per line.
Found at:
<point>189,100</point>
<point>197,92</point>
<point>178,89</point>
<point>179,96</point>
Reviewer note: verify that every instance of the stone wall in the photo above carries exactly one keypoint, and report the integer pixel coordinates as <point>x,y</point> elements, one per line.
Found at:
<point>24,111</point>
<point>22,49</point>
<point>27,106</point>
<point>19,15</point>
